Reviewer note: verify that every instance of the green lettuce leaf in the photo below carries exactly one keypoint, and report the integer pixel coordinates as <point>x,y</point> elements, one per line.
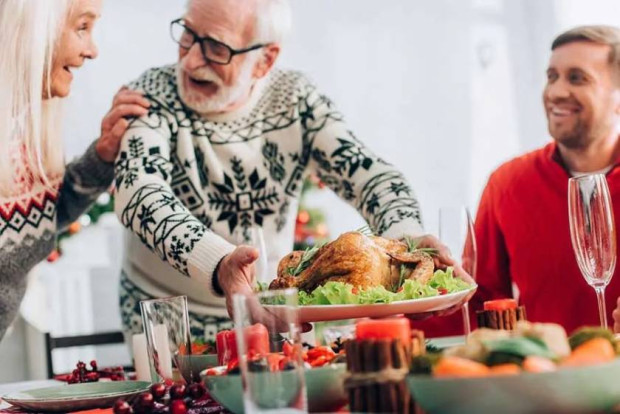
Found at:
<point>339,293</point>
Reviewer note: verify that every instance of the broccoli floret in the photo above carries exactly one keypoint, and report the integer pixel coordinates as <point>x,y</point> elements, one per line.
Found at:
<point>499,358</point>
<point>583,335</point>
<point>423,364</point>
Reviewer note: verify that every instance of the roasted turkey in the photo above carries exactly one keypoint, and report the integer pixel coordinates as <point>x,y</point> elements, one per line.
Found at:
<point>363,261</point>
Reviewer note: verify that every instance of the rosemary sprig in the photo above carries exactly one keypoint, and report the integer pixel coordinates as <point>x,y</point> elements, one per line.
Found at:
<point>412,246</point>
<point>306,259</point>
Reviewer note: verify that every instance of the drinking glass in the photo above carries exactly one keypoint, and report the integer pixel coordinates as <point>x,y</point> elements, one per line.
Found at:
<point>253,236</point>
<point>593,233</point>
<point>456,231</point>
<point>260,332</point>
<point>166,325</point>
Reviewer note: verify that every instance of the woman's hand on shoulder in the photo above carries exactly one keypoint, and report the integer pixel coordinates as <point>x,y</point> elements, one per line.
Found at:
<point>126,104</point>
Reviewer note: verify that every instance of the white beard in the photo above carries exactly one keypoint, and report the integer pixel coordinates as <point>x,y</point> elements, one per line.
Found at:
<point>225,95</point>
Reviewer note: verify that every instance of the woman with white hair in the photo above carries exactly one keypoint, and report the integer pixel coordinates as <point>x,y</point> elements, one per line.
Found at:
<point>42,43</point>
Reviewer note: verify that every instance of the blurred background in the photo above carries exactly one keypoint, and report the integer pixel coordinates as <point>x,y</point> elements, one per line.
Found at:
<point>446,90</point>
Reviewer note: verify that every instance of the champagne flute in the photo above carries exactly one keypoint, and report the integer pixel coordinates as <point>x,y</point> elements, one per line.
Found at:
<point>456,231</point>
<point>593,233</point>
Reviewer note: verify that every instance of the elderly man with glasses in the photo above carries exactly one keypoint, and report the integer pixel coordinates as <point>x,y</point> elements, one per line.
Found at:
<point>224,149</point>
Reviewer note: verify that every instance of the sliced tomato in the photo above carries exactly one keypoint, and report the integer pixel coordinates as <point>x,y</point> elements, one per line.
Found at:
<point>287,348</point>
<point>500,304</point>
<point>274,360</point>
<point>232,364</point>
<point>442,291</point>
<point>320,351</point>
<point>320,361</point>
<point>283,363</point>
<point>201,348</point>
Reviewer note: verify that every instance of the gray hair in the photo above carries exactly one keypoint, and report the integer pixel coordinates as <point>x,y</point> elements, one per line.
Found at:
<point>273,21</point>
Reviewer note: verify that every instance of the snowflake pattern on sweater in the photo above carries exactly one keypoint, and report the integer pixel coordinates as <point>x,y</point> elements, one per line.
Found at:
<point>30,221</point>
<point>187,185</point>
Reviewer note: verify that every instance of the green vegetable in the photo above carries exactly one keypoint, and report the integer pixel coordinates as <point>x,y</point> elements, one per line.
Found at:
<point>423,364</point>
<point>305,261</point>
<point>585,334</point>
<point>516,349</point>
<point>412,246</point>
<point>499,358</point>
<point>445,279</point>
<point>339,293</point>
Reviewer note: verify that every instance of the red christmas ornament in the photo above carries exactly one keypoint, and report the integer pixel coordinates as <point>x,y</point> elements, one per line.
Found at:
<point>303,217</point>
<point>53,256</point>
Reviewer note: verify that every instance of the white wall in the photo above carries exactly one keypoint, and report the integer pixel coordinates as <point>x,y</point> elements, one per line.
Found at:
<point>579,12</point>
<point>399,70</point>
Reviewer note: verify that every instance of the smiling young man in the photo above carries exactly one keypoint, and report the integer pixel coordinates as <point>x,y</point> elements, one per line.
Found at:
<point>522,226</point>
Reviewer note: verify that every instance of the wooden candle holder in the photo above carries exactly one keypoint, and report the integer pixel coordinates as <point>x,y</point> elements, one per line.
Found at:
<point>376,374</point>
<point>505,319</point>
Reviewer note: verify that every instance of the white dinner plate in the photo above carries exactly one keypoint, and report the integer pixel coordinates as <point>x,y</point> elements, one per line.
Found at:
<point>316,313</point>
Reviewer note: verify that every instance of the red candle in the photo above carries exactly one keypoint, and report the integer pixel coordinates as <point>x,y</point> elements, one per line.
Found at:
<point>256,340</point>
<point>500,304</point>
<point>226,347</point>
<point>257,343</point>
<point>391,328</point>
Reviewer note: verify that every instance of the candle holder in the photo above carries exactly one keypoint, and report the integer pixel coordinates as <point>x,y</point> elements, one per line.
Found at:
<point>376,374</point>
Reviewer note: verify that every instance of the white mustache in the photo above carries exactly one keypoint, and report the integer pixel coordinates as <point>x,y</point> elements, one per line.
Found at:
<point>206,74</point>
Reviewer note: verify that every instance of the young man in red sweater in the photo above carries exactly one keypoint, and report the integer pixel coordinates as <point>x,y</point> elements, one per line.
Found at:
<point>522,227</point>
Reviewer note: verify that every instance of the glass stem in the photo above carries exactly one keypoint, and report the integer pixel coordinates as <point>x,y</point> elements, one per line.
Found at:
<point>600,296</point>
<point>466,325</point>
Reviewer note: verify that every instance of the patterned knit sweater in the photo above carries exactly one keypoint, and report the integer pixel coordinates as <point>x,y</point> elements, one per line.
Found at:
<point>188,186</point>
<point>30,222</point>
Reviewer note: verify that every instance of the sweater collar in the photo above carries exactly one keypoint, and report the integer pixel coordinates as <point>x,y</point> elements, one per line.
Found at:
<point>553,153</point>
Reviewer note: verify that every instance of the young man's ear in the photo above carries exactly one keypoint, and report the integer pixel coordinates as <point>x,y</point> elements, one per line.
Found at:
<point>267,60</point>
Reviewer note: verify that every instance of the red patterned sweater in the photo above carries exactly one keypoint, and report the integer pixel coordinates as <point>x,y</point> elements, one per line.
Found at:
<point>30,221</point>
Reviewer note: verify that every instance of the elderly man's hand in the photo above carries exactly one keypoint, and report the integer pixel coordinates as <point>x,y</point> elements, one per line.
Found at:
<point>126,104</point>
<point>443,259</point>
<point>236,273</point>
<point>616,316</point>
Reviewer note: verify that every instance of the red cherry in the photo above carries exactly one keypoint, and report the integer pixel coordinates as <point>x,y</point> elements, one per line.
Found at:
<point>178,407</point>
<point>197,390</point>
<point>177,392</point>
<point>93,365</point>
<point>159,391</point>
<point>145,402</point>
<point>92,376</point>
<point>122,407</point>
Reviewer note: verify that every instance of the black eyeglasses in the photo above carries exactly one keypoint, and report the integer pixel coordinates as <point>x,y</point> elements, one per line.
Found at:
<point>213,50</point>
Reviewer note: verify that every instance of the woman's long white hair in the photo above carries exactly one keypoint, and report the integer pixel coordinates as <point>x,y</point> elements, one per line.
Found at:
<point>30,139</point>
